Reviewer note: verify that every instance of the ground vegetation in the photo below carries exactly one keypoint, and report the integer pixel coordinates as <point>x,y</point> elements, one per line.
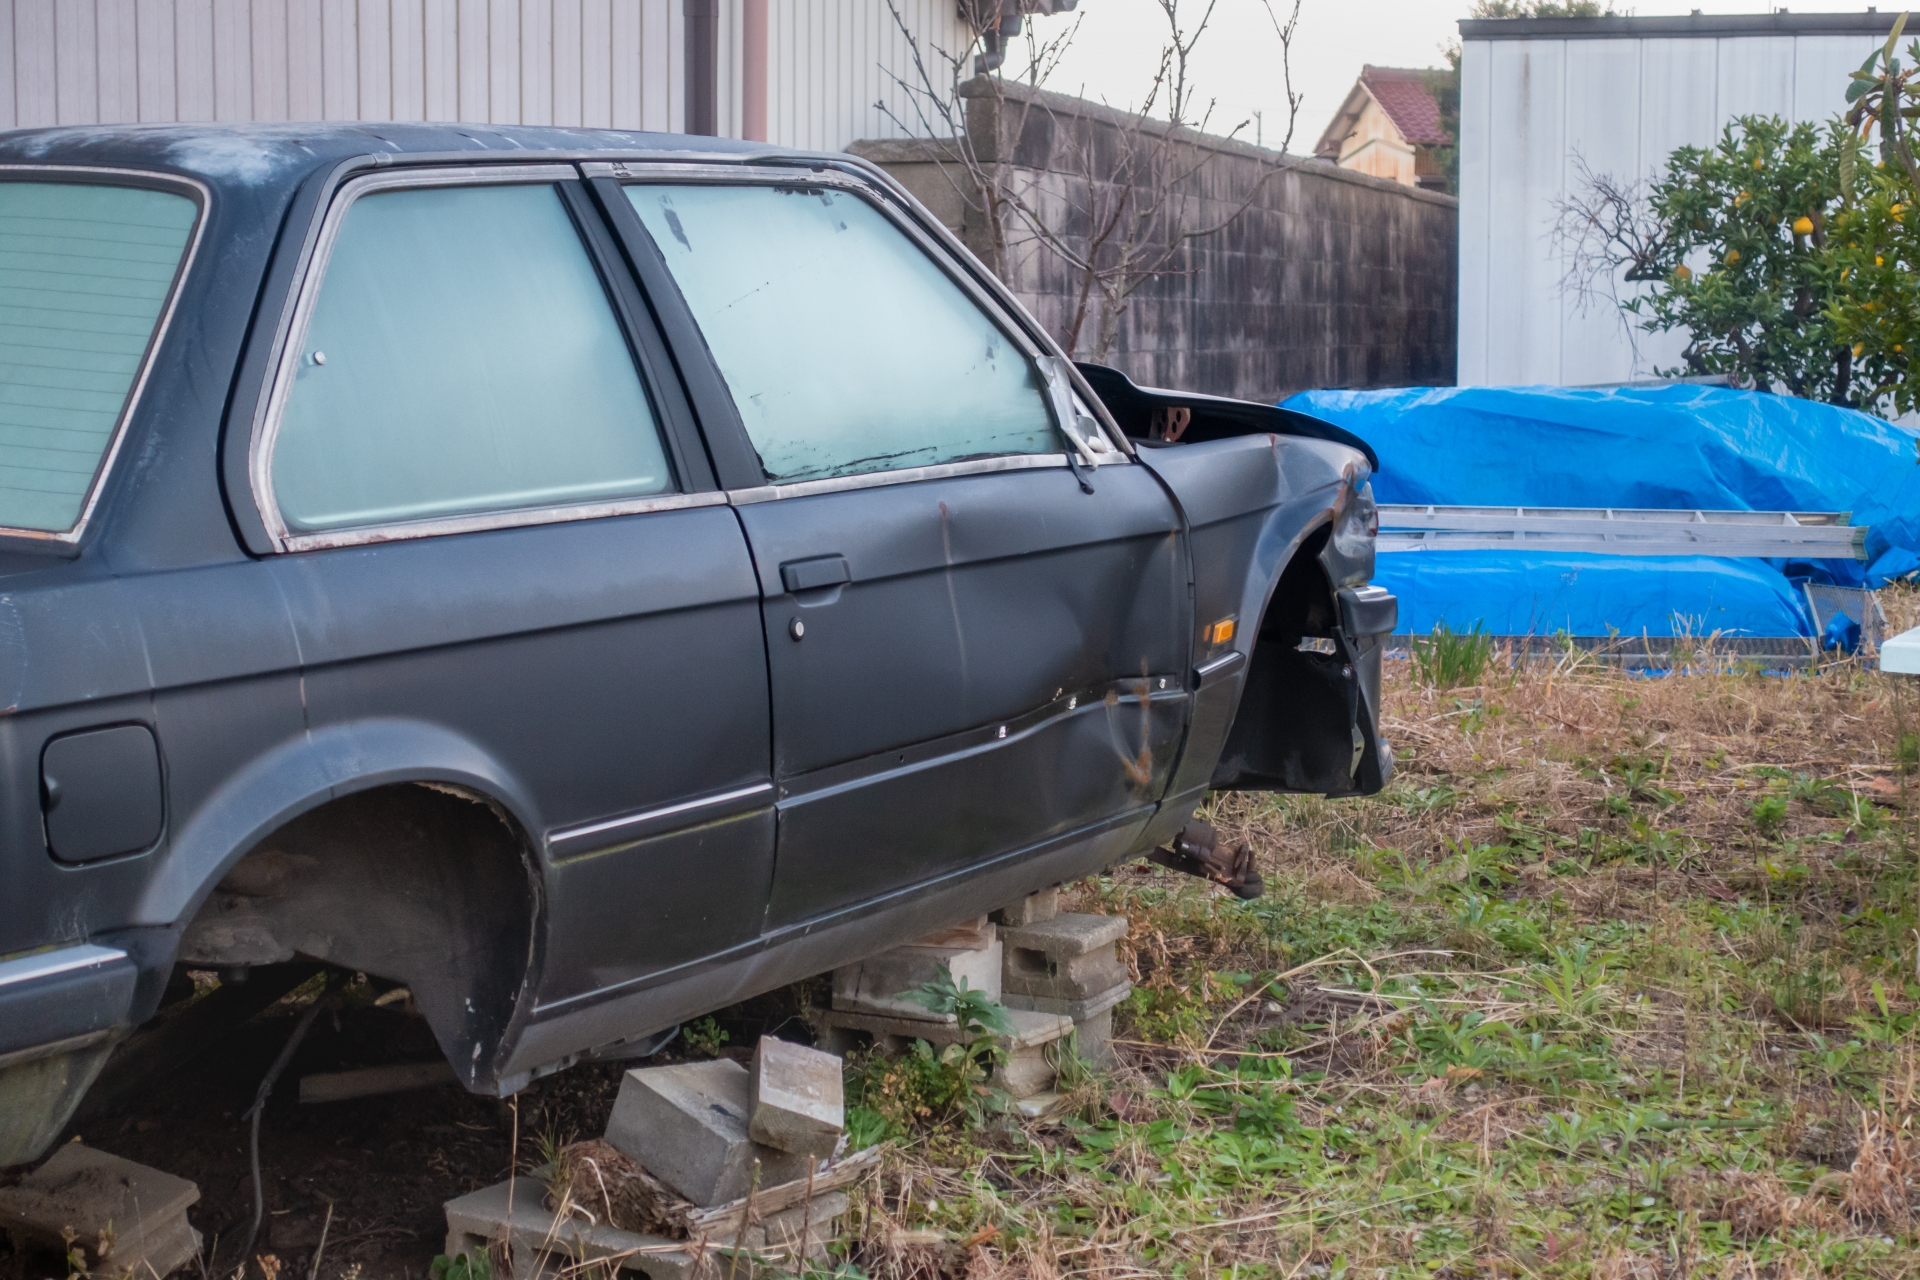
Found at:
<point>1617,978</point>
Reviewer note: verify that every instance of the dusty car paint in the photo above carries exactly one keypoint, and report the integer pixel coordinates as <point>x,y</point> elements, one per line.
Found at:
<point>643,762</point>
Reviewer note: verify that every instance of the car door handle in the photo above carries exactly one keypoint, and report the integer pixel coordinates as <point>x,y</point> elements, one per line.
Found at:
<point>813,574</point>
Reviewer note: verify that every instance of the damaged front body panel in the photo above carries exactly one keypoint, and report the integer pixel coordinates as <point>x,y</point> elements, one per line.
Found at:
<point>803,599</point>
<point>1282,520</point>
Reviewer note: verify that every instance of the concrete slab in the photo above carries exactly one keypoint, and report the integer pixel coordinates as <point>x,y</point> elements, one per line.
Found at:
<point>1078,1010</point>
<point>1063,936</point>
<point>797,1098</point>
<point>878,984</point>
<point>509,1222</point>
<point>140,1212</point>
<point>687,1125</point>
<point>1037,1105</point>
<point>513,1225</point>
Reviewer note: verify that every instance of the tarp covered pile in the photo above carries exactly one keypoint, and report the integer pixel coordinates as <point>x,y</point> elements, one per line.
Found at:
<point>1681,447</point>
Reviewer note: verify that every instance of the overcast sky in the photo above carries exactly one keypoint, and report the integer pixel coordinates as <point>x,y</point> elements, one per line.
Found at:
<point>1237,63</point>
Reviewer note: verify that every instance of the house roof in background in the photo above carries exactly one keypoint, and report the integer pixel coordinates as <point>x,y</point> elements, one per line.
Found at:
<point>1402,93</point>
<point>1683,26</point>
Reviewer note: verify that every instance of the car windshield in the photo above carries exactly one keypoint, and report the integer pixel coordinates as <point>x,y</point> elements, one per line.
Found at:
<point>84,273</point>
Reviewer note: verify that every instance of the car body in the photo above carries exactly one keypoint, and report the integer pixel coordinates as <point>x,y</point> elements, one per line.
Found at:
<point>591,578</point>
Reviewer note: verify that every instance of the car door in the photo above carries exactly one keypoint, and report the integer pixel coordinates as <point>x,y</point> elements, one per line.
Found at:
<point>498,531</point>
<point>973,655</point>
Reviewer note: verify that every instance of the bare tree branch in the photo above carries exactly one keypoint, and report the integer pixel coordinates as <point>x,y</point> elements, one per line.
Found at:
<point>1123,217</point>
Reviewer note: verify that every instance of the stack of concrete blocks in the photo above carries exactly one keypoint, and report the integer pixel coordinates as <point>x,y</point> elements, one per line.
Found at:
<point>716,1133</point>
<point>126,1218</point>
<point>1066,965</point>
<point>870,1004</point>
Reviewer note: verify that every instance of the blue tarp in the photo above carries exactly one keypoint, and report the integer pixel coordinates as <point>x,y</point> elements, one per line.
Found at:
<point>1669,447</point>
<point>1590,595</point>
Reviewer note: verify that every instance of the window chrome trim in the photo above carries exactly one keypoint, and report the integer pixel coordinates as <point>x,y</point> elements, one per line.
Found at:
<point>509,518</point>
<point>907,475</point>
<point>202,196</point>
<point>306,292</point>
<point>762,175</point>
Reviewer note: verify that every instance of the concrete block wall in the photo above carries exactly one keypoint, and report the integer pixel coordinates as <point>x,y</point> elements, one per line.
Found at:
<point>1327,279</point>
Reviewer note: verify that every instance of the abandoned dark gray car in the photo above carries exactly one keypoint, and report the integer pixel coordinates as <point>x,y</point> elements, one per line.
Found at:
<point>592,578</point>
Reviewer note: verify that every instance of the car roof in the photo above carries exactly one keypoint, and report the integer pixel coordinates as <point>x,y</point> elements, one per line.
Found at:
<point>256,155</point>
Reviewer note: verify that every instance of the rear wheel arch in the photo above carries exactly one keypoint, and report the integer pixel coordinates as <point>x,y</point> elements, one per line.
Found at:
<point>425,883</point>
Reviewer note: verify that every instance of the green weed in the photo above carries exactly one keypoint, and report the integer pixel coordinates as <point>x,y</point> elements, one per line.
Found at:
<point>704,1037</point>
<point>1451,659</point>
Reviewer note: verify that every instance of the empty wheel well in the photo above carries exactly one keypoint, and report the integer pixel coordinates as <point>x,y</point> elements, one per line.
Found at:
<point>1296,728</point>
<point>426,885</point>
<point>1303,603</point>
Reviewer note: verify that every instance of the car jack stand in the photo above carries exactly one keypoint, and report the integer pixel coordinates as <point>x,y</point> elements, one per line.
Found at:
<point>1196,851</point>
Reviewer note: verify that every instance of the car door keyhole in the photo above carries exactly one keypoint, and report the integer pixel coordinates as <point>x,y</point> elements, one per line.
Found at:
<point>797,629</point>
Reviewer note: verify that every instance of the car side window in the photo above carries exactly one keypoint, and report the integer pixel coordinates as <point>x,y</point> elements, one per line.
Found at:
<point>462,357</point>
<point>845,346</point>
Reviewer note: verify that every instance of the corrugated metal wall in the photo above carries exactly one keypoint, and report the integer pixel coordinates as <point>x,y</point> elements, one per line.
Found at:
<point>1528,108</point>
<point>830,62</point>
<point>609,63</point>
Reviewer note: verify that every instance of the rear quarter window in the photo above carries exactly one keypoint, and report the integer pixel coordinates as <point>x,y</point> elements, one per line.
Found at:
<point>85,272</point>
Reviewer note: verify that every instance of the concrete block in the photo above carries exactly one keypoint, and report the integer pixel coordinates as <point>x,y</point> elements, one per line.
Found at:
<point>875,985</point>
<point>1025,1072</point>
<point>1080,977</point>
<point>142,1211</point>
<point>1030,1028</point>
<point>509,1222</point>
<point>1062,936</point>
<point>798,1103</point>
<point>1093,1039</point>
<point>1026,1069</point>
<point>687,1125</point>
<point>1078,1010</point>
<point>1032,909</point>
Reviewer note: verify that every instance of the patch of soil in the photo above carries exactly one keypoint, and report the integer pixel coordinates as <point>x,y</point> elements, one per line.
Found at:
<point>385,1166</point>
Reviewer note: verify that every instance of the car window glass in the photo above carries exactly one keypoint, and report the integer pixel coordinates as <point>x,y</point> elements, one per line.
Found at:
<point>84,273</point>
<point>462,357</point>
<point>846,348</point>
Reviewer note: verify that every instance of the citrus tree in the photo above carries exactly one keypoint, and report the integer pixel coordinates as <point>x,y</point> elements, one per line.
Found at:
<point>1876,245</point>
<point>1739,261</point>
<point>1788,257</point>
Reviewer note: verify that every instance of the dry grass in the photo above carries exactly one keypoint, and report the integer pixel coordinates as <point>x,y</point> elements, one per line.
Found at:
<point>1615,979</point>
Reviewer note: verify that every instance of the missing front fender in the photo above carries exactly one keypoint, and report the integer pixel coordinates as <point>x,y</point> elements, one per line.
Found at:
<point>1307,719</point>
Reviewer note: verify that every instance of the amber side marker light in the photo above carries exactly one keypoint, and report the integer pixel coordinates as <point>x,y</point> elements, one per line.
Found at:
<point>1220,632</point>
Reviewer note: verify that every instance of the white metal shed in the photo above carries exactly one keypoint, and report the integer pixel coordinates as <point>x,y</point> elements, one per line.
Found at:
<point>1621,93</point>
<point>819,65</point>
